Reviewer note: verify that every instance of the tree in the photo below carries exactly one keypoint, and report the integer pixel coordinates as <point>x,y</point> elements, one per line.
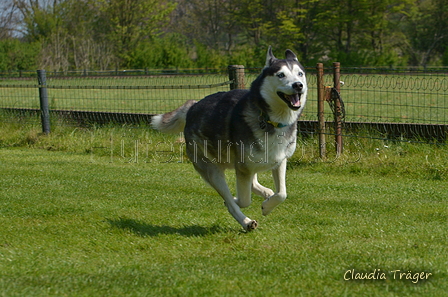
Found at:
<point>40,18</point>
<point>16,55</point>
<point>294,26</point>
<point>81,34</point>
<point>425,27</point>
<point>168,51</point>
<point>128,22</point>
<point>8,19</point>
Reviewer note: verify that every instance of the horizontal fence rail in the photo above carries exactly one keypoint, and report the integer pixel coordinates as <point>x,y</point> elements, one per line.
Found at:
<point>179,87</point>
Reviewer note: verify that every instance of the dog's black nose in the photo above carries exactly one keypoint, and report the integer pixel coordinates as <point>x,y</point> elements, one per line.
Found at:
<point>298,86</point>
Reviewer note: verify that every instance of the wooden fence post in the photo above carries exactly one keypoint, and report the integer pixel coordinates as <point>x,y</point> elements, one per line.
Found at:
<point>320,110</point>
<point>337,109</point>
<point>236,74</point>
<point>43,98</point>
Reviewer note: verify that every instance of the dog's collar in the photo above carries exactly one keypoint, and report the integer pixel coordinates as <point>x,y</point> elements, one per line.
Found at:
<point>264,120</point>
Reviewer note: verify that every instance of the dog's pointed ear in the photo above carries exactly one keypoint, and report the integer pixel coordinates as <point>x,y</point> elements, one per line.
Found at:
<point>270,57</point>
<point>290,55</point>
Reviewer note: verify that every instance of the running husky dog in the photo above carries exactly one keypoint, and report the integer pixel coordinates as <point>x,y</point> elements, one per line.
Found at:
<point>249,131</point>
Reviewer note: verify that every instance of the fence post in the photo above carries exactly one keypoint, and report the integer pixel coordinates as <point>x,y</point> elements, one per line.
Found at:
<point>337,109</point>
<point>320,110</point>
<point>43,97</point>
<point>236,74</point>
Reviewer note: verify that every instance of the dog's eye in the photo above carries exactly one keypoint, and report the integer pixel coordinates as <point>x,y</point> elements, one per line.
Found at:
<point>281,75</point>
<point>300,73</point>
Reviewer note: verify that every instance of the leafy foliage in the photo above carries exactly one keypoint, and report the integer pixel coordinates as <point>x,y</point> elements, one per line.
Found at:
<point>16,55</point>
<point>87,34</point>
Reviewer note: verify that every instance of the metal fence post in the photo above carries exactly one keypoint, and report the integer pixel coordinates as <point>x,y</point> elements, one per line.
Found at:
<point>320,110</point>
<point>43,97</point>
<point>337,109</point>
<point>236,74</point>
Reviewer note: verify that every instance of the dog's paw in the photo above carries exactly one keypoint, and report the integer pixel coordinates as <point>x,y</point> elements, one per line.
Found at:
<point>265,211</point>
<point>267,207</point>
<point>252,225</point>
<point>270,203</point>
<point>267,193</point>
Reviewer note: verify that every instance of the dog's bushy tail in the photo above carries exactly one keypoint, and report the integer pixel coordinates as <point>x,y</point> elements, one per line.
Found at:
<point>173,121</point>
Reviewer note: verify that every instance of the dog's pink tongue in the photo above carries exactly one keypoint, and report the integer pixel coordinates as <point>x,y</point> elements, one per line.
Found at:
<point>295,100</point>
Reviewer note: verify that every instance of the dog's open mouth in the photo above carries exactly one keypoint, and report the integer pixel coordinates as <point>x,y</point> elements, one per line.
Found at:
<point>292,100</point>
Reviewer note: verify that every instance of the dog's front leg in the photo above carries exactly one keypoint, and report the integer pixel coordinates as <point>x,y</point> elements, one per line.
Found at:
<point>279,175</point>
<point>216,178</point>
<point>232,206</point>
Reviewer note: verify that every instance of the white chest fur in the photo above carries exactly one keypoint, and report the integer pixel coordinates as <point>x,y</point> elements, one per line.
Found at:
<point>269,150</point>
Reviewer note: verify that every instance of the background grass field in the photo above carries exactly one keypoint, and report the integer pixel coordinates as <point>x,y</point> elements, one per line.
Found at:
<point>97,212</point>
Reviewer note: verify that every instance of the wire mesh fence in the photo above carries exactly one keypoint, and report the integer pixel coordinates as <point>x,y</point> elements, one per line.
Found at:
<point>126,93</point>
<point>409,99</point>
<point>398,97</point>
<point>406,104</point>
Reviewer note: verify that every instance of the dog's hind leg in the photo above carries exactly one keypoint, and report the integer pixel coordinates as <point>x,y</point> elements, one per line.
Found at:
<point>214,175</point>
<point>279,175</point>
<point>260,190</point>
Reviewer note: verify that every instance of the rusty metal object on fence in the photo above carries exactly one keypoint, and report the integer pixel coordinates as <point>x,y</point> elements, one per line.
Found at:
<point>334,99</point>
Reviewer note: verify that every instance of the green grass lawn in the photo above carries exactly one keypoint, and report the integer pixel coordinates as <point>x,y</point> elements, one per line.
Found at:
<point>81,215</point>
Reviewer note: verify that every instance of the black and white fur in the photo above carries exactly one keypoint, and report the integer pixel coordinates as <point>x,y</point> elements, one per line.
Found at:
<point>249,131</point>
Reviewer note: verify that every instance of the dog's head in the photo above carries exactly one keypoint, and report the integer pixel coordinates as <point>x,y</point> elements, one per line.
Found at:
<point>284,81</point>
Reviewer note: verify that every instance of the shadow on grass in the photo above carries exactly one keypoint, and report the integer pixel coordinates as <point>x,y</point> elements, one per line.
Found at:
<point>143,229</point>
